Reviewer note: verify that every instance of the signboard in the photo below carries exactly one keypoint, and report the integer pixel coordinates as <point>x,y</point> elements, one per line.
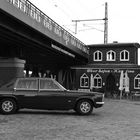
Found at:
<point>107,71</point>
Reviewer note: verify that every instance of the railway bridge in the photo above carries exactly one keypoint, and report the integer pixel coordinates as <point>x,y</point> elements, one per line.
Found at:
<point>28,34</point>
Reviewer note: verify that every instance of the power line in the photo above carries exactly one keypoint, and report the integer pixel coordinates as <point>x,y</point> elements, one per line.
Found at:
<point>105,23</point>
<point>90,27</point>
<point>60,4</point>
<point>76,21</point>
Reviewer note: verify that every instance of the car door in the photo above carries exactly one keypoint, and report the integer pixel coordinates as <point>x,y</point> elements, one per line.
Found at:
<point>50,95</point>
<point>26,91</point>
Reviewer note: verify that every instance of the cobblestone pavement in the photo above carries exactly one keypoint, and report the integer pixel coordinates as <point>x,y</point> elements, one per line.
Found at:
<point>117,120</point>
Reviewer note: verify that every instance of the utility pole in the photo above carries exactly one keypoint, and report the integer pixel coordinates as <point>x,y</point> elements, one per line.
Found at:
<point>105,23</point>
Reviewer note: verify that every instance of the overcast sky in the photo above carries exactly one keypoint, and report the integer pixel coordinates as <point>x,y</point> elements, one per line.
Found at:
<point>123,18</point>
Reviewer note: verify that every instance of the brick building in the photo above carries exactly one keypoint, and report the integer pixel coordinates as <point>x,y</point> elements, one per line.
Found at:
<point>106,62</point>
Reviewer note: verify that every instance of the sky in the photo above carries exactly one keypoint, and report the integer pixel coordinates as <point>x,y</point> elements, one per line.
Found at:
<point>123,18</point>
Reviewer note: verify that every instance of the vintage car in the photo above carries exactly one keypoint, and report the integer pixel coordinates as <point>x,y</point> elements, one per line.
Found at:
<point>47,94</point>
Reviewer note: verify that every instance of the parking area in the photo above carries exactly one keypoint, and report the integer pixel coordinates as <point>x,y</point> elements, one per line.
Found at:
<point>116,120</point>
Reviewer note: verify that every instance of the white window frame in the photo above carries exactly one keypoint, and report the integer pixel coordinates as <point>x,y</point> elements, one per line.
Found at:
<point>124,53</point>
<point>84,76</point>
<point>97,76</point>
<point>138,82</point>
<point>110,59</point>
<point>98,59</point>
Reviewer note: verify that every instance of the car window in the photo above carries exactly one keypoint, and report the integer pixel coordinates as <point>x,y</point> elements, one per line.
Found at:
<point>47,84</point>
<point>29,84</point>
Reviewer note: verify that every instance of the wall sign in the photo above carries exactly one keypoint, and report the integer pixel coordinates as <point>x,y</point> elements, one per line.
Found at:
<point>107,71</point>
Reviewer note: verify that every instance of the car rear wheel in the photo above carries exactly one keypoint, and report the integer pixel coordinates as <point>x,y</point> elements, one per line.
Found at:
<point>8,106</point>
<point>84,107</point>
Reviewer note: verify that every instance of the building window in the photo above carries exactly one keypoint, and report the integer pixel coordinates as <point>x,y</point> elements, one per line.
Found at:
<point>124,55</point>
<point>97,81</point>
<point>111,55</point>
<point>97,56</point>
<point>137,82</point>
<point>84,80</point>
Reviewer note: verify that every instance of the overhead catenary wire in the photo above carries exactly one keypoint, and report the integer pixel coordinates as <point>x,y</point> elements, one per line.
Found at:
<point>105,23</point>
<point>60,6</point>
<point>71,13</point>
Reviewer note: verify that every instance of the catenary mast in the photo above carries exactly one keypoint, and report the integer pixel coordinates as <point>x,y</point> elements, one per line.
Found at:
<point>105,23</point>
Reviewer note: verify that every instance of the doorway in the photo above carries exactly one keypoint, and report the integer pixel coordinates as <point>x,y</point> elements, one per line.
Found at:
<point>110,87</point>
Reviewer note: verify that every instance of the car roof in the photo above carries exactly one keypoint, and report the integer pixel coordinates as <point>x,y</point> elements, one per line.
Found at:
<point>35,78</point>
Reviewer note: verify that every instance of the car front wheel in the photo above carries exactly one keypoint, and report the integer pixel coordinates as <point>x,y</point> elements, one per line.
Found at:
<point>84,107</point>
<point>8,106</point>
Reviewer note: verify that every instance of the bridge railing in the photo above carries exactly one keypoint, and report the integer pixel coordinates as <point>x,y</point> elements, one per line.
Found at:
<point>31,10</point>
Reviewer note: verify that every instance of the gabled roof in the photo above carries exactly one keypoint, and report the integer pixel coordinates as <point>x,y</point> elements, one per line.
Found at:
<point>137,45</point>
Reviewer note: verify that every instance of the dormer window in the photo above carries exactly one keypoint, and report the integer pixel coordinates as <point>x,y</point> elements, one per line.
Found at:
<point>84,80</point>
<point>124,55</point>
<point>111,56</point>
<point>97,56</point>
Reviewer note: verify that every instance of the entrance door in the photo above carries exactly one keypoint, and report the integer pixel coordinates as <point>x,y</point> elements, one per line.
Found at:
<point>110,85</point>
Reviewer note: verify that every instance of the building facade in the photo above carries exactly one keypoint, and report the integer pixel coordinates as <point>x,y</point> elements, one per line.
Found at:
<point>106,63</point>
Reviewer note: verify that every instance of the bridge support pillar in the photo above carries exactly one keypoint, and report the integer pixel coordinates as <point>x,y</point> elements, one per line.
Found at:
<point>10,68</point>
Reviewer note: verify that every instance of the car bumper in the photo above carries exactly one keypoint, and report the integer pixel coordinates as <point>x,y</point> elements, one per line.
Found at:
<point>99,104</point>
